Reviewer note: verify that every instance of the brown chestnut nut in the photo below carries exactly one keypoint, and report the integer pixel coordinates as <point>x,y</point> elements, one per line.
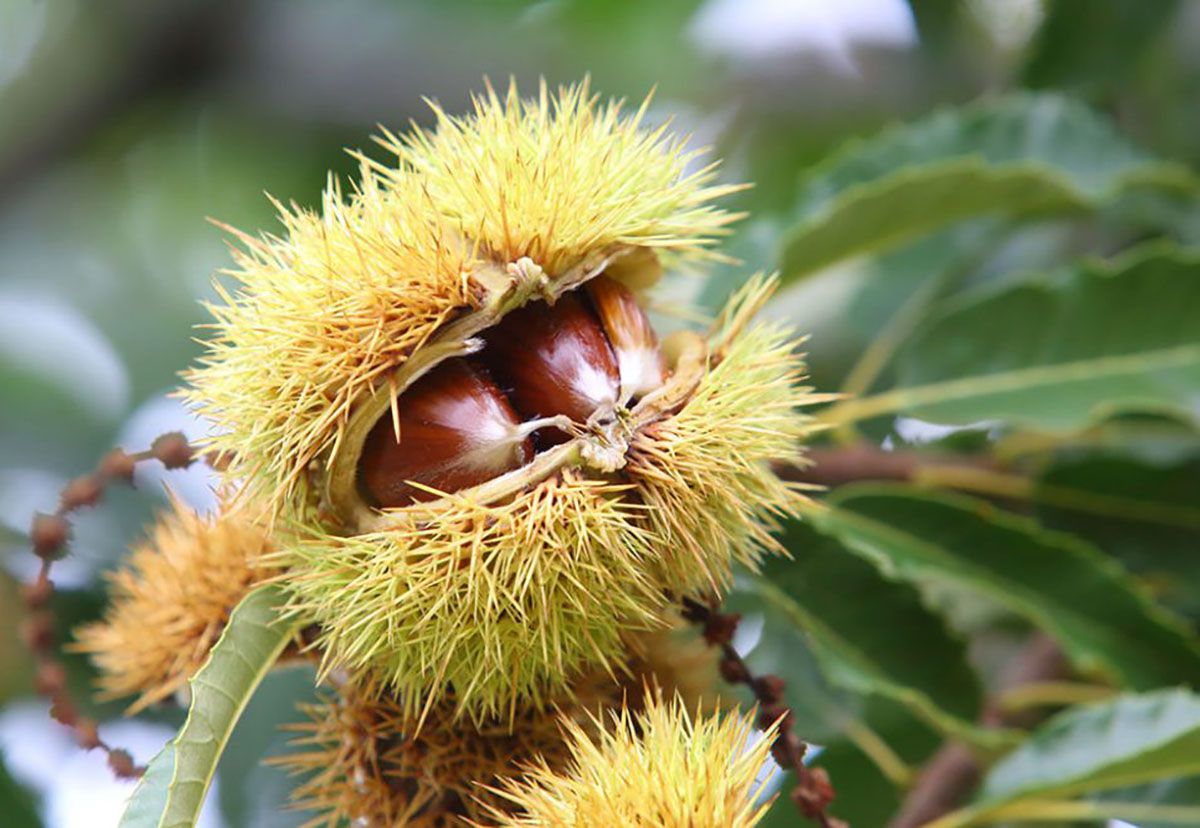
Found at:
<point>456,430</point>
<point>553,360</point>
<point>631,336</point>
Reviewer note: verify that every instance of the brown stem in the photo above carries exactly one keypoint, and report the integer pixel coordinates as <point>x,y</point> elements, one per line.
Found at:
<point>838,466</point>
<point>813,793</point>
<point>954,772</point>
<point>49,535</point>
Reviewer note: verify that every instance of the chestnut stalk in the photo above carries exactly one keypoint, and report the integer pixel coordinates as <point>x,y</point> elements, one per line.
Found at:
<point>548,370</point>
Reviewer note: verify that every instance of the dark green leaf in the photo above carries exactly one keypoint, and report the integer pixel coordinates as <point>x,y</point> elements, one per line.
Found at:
<point>881,618</point>
<point>1085,45</point>
<point>16,804</point>
<point>1018,155</point>
<point>1056,353</point>
<point>858,626</point>
<point>1145,514</point>
<point>1060,583</point>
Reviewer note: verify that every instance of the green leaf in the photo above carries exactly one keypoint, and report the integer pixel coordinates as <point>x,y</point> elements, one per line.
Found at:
<point>1101,46</point>
<point>1169,792</point>
<point>882,621</point>
<point>247,649</point>
<point>1146,514</point>
<point>1087,601</point>
<point>1016,155</point>
<point>1128,741</point>
<point>862,645</point>
<point>149,801</point>
<point>862,739</point>
<point>1056,353</point>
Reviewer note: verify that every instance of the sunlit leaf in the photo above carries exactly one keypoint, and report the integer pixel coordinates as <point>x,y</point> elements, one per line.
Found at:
<point>1128,741</point>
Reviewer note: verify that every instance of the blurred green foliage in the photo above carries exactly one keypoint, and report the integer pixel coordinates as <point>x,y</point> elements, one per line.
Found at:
<point>971,242</point>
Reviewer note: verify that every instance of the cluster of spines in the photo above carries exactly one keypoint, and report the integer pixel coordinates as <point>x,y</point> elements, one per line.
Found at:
<point>500,601</point>
<point>664,767</point>
<point>363,755</point>
<point>182,583</point>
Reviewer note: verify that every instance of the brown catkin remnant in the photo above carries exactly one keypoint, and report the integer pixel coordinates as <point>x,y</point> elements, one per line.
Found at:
<point>172,599</point>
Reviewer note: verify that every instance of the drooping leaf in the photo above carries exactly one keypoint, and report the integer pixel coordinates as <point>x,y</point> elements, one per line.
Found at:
<point>1056,353</point>
<point>858,625</point>
<point>246,650</point>
<point>1128,741</point>
<point>1146,514</point>
<point>1085,600</point>
<point>248,787</point>
<point>1017,155</point>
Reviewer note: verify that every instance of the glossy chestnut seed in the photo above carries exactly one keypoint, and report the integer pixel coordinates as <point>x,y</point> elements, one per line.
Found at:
<point>457,430</point>
<point>553,360</point>
<point>631,336</point>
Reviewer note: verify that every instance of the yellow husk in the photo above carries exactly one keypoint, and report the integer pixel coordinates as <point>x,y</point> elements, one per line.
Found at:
<point>171,599</point>
<point>662,767</point>
<point>509,601</point>
<point>557,176</point>
<point>323,313</point>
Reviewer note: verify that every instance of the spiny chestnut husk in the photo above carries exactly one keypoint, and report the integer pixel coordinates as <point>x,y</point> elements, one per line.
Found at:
<point>662,765</point>
<point>172,598</point>
<point>486,468</point>
<point>366,759</point>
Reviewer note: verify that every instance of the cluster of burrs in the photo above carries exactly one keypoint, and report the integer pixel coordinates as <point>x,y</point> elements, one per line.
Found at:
<point>493,496</point>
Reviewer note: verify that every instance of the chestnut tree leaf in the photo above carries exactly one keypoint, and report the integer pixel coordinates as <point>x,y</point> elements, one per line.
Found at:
<point>1130,740</point>
<point>1023,154</point>
<point>146,807</point>
<point>1057,352</point>
<point>1087,601</point>
<point>858,625</point>
<point>247,649</point>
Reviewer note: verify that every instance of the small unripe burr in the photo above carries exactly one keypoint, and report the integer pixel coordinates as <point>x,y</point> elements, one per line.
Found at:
<point>456,430</point>
<point>554,361</point>
<point>631,336</point>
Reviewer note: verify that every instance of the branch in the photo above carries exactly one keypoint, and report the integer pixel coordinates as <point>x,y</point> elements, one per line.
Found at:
<point>954,772</point>
<point>831,467</point>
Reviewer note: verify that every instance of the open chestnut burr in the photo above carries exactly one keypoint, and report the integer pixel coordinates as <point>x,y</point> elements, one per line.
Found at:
<point>544,372</point>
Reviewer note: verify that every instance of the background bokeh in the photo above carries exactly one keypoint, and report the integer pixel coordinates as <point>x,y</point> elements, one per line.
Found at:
<point>124,124</point>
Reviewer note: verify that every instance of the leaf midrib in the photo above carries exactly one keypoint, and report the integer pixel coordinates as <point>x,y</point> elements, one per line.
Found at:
<point>1006,381</point>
